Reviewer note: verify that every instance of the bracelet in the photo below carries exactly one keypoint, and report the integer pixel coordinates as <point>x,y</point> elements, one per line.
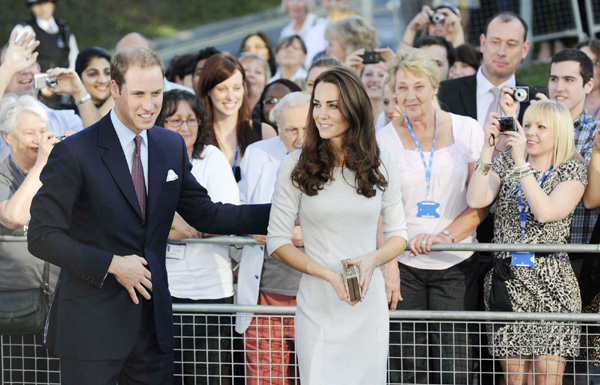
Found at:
<point>483,168</point>
<point>517,168</point>
<point>525,173</point>
<point>84,99</point>
<point>447,233</point>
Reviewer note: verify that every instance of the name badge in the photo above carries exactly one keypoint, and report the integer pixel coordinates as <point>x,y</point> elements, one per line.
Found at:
<point>428,209</point>
<point>176,251</point>
<point>523,259</point>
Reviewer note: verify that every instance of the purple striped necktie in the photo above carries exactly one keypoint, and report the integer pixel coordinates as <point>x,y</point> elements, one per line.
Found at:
<point>138,176</point>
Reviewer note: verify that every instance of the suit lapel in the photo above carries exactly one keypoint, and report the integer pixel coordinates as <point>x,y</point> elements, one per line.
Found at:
<point>115,161</point>
<point>157,170</point>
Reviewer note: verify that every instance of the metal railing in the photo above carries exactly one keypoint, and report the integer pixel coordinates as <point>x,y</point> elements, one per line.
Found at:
<point>208,350</point>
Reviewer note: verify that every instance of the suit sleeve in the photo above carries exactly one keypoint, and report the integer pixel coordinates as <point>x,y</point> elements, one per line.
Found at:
<point>51,214</point>
<point>196,207</point>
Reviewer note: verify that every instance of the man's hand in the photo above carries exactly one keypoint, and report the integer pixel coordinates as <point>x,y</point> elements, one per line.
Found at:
<point>19,54</point>
<point>132,275</point>
<point>68,83</point>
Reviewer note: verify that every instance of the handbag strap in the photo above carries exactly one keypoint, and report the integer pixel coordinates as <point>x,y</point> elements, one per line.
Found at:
<point>46,279</point>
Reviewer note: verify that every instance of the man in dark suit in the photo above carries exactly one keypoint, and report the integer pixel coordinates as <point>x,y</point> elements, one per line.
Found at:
<point>503,46</point>
<point>111,317</point>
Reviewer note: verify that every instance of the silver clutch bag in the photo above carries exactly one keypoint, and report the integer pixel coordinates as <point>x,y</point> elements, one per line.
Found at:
<point>350,276</point>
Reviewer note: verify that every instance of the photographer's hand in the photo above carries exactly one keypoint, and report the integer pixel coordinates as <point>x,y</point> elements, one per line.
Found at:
<point>509,106</point>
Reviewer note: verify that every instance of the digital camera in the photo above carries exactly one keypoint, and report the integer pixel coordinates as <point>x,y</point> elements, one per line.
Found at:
<point>44,81</point>
<point>507,123</point>
<point>436,17</point>
<point>520,94</point>
<point>371,57</point>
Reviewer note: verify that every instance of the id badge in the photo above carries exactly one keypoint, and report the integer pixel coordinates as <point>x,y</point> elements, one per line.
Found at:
<point>428,209</point>
<point>176,251</point>
<point>523,259</point>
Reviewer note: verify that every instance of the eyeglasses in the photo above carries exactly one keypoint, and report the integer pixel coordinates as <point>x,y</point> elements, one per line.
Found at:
<point>176,123</point>
<point>256,47</point>
<point>270,101</point>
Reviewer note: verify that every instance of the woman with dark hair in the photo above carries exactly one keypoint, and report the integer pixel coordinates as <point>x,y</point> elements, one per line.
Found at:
<point>319,66</point>
<point>202,274</point>
<point>93,67</point>
<point>222,92</point>
<point>272,94</point>
<point>468,60</point>
<point>260,44</point>
<point>337,187</point>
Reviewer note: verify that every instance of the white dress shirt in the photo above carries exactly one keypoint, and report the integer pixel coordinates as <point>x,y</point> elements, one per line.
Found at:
<point>485,95</point>
<point>126,138</point>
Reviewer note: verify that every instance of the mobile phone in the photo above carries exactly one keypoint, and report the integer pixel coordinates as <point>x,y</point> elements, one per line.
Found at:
<point>540,90</point>
<point>371,57</point>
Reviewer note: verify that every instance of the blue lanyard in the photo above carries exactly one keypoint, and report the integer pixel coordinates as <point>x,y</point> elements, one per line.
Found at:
<point>523,213</point>
<point>237,151</point>
<point>596,113</point>
<point>425,165</point>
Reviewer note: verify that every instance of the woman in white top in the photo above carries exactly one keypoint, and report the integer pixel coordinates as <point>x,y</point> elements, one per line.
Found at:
<point>436,152</point>
<point>200,273</point>
<point>302,19</point>
<point>289,55</point>
<point>336,188</point>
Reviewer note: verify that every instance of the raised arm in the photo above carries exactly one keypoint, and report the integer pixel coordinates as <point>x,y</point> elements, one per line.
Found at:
<point>19,56</point>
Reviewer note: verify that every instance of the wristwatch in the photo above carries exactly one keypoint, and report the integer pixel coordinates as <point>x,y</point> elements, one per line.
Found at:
<point>83,100</point>
<point>483,168</point>
<point>447,233</point>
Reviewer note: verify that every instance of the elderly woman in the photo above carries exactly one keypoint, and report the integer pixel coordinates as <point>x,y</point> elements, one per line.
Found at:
<point>290,54</point>
<point>348,35</point>
<point>436,152</point>
<point>257,76</point>
<point>302,19</point>
<point>537,185</point>
<point>23,125</point>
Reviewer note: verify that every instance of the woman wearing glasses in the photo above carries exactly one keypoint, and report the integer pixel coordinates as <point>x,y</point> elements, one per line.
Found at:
<point>200,273</point>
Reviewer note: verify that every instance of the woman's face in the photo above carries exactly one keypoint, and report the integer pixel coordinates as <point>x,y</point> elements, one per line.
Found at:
<point>595,60</point>
<point>96,79</point>
<point>336,50</point>
<point>227,97</point>
<point>390,108</point>
<point>460,69</point>
<point>256,45</point>
<point>297,9</point>
<point>372,77</point>
<point>330,122</point>
<point>291,56</point>
<point>312,76</point>
<point>273,95</point>
<point>185,122</point>
<point>25,140</point>
<point>414,94</point>
<point>540,138</point>
<point>255,76</point>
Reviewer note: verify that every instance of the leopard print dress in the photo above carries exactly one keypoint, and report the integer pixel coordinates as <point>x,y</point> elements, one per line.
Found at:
<point>550,286</point>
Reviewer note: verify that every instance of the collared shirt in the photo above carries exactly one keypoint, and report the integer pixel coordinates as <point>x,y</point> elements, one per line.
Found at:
<point>584,220</point>
<point>126,138</point>
<point>485,95</point>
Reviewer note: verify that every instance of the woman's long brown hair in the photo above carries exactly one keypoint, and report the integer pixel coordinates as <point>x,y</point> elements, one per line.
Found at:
<point>359,146</point>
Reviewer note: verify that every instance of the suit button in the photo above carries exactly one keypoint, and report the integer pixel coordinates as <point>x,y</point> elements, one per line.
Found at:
<point>141,224</point>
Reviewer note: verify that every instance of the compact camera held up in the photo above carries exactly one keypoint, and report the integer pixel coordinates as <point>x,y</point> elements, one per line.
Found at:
<point>436,17</point>
<point>520,94</point>
<point>507,123</point>
<point>44,81</point>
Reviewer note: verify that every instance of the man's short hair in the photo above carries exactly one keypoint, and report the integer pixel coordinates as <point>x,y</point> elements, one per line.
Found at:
<point>586,66</point>
<point>204,54</point>
<point>428,41</point>
<point>506,17</point>
<point>134,56</point>
<point>181,66</point>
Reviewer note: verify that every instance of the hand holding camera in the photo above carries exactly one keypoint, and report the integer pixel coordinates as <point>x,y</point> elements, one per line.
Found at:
<point>64,81</point>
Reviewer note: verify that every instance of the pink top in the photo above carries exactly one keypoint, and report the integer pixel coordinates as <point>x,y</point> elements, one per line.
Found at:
<point>448,186</point>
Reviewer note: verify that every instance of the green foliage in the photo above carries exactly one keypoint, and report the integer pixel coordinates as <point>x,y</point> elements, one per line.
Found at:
<point>103,22</point>
<point>536,75</point>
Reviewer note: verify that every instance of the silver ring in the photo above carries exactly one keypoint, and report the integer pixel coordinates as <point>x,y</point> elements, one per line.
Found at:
<point>424,241</point>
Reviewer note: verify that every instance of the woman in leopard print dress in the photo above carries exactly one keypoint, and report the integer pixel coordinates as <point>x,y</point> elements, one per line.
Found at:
<point>538,186</point>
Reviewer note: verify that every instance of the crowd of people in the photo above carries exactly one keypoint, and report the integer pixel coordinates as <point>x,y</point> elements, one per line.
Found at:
<point>366,155</point>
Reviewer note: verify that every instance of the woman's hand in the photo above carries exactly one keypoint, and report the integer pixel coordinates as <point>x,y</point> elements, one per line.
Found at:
<point>421,243</point>
<point>518,142</point>
<point>420,21</point>
<point>491,131</point>
<point>262,239</point>
<point>391,277</point>
<point>454,29</point>
<point>183,228</point>
<point>386,53</point>
<point>337,282</point>
<point>366,264</point>
<point>68,83</point>
<point>47,143</point>
<point>509,105</point>
<point>354,61</point>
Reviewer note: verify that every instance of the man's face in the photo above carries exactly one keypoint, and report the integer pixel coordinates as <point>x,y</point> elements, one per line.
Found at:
<point>292,126</point>
<point>503,49</point>
<point>43,10</point>
<point>198,72</point>
<point>138,103</point>
<point>22,82</point>
<point>566,85</point>
<point>439,54</point>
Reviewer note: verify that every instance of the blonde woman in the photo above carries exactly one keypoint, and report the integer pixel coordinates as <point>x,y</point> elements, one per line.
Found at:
<point>537,186</point>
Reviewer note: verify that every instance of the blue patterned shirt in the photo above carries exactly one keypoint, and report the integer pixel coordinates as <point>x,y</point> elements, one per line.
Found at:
<point>584,220</point>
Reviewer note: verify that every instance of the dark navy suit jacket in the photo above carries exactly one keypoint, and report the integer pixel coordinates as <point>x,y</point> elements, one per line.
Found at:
<point>87,211</point>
